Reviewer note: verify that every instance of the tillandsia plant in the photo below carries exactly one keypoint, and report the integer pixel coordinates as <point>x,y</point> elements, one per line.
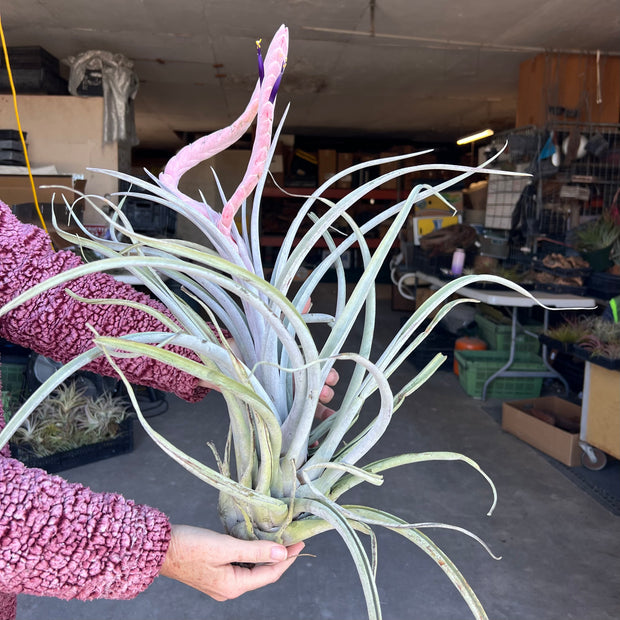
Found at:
<point>69,418</point>
<point>271,485</point>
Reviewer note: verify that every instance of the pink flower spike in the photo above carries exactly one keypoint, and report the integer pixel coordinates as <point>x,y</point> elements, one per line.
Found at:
<point>275,62</point>
<point>208,146</point>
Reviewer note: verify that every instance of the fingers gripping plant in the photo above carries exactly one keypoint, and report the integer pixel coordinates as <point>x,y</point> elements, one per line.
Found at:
<point>270,486</point>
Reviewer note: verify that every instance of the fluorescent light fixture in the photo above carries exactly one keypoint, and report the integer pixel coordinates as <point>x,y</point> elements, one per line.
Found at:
<point>476,136</point>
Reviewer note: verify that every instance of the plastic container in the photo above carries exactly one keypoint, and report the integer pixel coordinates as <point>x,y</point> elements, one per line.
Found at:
<point>458,261</point>
<point>498,336</point>
<point>13,375</point>
<point>599,259</point>
<point>494,246</point>
<point>475,367</point>
<point>467,343</point>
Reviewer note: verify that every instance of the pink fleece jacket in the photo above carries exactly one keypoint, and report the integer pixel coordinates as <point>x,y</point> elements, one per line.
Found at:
<point>56,538</point>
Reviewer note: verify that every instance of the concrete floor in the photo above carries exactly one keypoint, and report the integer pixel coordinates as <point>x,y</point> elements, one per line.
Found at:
<point>560,549</point>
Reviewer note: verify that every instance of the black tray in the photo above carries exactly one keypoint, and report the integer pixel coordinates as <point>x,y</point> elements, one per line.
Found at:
<point>604,285</point>
<point>121,444</point>
<point>582,272</point>
<point>494,286</point>
<point>560,289</point>
<point>599,360</point>
<point>555,345</point>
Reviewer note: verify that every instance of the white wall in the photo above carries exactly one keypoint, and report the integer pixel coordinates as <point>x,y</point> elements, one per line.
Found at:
<point>66,132</point>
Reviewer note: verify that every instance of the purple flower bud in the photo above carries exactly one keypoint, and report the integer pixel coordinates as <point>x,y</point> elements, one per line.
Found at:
<point>276,84</point>
<point>261,67</point>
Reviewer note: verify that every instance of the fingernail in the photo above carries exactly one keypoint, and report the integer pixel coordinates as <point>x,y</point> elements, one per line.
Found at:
<point>279,553</point>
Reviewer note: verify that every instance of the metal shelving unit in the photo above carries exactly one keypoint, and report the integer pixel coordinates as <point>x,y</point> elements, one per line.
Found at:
<point>576,177</point>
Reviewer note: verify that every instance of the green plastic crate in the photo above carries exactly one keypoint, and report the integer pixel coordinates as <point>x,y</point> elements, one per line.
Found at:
<point>497,335</point>
<point>13,377</point>
<point>475,367</point>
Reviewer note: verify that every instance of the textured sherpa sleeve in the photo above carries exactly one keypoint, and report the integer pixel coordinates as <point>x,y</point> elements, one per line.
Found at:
<point>61,539</point>
<point>55,325</point>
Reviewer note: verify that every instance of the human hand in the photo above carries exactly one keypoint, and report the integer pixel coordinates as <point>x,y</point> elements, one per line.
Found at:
<point>203,559</point>
<point>322,412</point>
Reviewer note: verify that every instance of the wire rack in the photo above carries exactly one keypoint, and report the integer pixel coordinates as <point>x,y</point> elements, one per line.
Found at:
<point>580,182</point>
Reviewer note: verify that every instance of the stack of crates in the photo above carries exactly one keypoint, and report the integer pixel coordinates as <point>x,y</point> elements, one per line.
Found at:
<point>475,367</point>
<point>149,217</point>
<point>11,149</point>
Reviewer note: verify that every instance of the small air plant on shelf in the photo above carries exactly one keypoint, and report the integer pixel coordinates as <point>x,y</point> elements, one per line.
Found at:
<point>272,486</point>
<point>68,419</point>
<point>570,330</point>
<point>602,339</point>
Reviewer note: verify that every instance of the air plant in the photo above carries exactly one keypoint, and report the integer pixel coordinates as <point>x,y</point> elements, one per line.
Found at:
<point>271,486</point>
<point>602,338</point>
<point>570,330</point>
<point>68,419</point>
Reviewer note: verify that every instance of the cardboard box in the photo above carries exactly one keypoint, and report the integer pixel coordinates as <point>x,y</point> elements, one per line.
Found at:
<point>386,167</point>
<point>475,196</point>
<point>562,445</point>
<point>328,164</point>
<point>16,189</point>
<point>344,161</point>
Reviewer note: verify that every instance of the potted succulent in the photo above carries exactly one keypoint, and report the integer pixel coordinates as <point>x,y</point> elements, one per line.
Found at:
<point>274,481</point>
<point>595,240</point>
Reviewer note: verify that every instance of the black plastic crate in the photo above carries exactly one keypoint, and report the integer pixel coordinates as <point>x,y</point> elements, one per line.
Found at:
<point>436,265</point>
<point>571,368</point>
<point>34,70</point>
<point>431,265</point>
<point>438,341</point>
<point>11,144</point>
<point>149,217</point>
<point>121,444</point>
<point>31,57</point>
<point>12,158</point>
<point>11,134</point>
<point>91,84</point>
<point>603,285</point>
<point>9,348</point>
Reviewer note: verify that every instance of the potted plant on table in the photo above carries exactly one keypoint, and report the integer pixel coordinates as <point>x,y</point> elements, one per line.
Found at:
<point>595,240</point>
<point>272,484</point>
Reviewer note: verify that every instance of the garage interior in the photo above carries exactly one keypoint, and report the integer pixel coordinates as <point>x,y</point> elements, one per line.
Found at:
<point>365,80</point>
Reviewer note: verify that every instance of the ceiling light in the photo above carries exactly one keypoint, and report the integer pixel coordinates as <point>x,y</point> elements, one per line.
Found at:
<point>476,136</point>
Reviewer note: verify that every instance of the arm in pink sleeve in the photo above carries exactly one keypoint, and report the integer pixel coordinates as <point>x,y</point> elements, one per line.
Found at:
<point>54,324</point>
<point>61,539</point>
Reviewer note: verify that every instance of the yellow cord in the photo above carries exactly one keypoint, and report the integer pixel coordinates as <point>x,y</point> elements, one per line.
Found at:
<point>19,127</point>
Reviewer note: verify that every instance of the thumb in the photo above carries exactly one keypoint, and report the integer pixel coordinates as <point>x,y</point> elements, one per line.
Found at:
<point>257,551</point>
